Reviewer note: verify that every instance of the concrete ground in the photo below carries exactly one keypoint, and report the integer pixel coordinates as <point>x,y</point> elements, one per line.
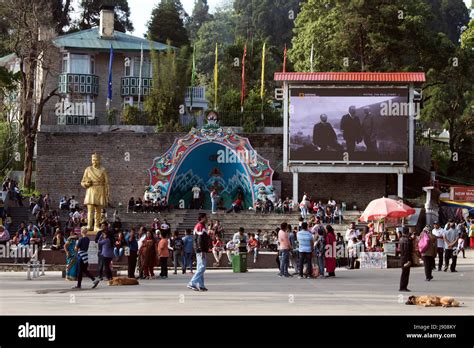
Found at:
<point>356,292</point>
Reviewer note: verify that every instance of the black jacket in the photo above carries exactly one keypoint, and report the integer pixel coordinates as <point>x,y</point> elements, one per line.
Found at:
<point>201,243</point>
<point>406,248</point>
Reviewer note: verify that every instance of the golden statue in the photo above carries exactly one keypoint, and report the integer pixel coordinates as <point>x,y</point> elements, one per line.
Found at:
<point>96,182</point>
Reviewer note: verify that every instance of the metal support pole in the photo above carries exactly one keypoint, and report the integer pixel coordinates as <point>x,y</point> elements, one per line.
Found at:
<point>400,185</point>
<point>295,188</point>
<point>42,266</point>
<point>28,270</point>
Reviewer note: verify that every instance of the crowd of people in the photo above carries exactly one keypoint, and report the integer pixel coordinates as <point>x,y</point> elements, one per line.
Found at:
<point>312,249</point>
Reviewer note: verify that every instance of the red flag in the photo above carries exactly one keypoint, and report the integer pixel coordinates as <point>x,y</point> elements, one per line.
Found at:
<point>242,97</point>
<point>284,60</point>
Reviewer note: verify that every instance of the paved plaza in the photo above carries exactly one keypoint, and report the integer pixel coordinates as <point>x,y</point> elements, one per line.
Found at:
<point>356,292</point>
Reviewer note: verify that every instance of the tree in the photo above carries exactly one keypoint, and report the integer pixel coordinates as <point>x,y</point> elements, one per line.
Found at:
<point>167,23</point>
<point>90,15</point>
<point>450,16</point>
<point>268,20</point>
<point>198,18</point>
<point>31,29</point>
<point>360,35</point>
<point>467,37</point>
<point>61,9</point>
<point>221,30</point>
<point>171,72</point>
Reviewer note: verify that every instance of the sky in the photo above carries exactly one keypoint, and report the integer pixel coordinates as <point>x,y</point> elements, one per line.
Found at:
<point>141,11</point>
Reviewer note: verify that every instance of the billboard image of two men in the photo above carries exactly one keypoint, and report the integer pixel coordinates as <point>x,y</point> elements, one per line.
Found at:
<point>363,124</point>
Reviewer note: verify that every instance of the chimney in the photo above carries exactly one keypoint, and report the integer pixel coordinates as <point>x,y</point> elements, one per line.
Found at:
<point>107,20</point>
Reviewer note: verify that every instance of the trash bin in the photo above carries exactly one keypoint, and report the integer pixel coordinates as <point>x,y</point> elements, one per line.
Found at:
<point>239,263</point>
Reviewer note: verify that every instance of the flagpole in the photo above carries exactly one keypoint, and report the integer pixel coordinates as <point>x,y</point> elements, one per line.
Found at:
<point>284,59</point>
<point>109,86</point>
<point>140,78</point>
<point>262,88</point>
<point>216,78</point>
<point>312,57</point>
<point>193,75</point>
<point>242,96</point>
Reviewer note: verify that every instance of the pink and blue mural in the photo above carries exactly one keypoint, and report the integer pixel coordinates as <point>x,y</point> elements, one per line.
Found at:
<point>211,157</point>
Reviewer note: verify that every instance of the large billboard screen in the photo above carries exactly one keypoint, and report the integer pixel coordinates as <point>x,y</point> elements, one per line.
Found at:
<point>348,124</point>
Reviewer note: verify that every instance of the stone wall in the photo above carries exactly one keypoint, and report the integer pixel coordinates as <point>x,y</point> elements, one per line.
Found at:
<point>62,158</point>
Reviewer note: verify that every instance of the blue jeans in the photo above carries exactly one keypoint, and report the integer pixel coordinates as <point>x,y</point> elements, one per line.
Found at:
<point>118,252</point>
<point>198,278</point>
<point>188,261</point>
<point>304,212</point>
<point>284,262</point>
<point>214,205</point>
<point>321,264</point>
<point>255,255</point>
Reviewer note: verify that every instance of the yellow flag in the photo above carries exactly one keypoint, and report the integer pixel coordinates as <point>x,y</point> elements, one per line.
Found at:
<point>216,78</point>
<point>262,89</point>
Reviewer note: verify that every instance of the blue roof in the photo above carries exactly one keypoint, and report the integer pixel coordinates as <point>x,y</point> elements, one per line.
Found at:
<point>90,39</point>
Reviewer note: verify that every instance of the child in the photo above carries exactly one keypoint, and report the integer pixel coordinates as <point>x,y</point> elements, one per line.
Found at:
<point>163,253</point>
<point>460,246</point>
<point>217,250</point>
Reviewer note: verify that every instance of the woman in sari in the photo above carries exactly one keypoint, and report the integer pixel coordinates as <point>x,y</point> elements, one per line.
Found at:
<point>71,257</point>
<point>330,251</point>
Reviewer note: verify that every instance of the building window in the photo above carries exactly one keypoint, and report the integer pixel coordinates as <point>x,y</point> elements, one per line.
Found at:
<point>65,64</point>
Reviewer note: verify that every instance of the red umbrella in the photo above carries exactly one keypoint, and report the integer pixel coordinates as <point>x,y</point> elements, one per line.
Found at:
<point>386,207</point>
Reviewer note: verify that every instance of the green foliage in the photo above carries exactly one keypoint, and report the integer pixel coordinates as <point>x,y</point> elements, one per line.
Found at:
<point>167,24</point>
<point>360,35</point>
<point>467,37</point>
<point>111,116</point>
<point>198,18</point>
<point>131,115</point>
<point>90,15</point>
<point>171,76</point>
<point>268,20</point>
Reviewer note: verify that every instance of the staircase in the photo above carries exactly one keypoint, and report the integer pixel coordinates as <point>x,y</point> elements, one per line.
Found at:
<point>19,214</point>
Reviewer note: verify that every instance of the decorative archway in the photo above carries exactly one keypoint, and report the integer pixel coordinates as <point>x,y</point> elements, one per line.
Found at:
<point>211,157</point>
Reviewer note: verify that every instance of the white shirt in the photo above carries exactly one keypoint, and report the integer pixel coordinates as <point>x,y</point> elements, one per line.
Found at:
<point>333,203</point>
<point>196,190</point>
<point>72,204</point>
<point>140,241</point>
<point>351,234</point>
<point>439,232</point>
<point>76,215</point>
<point>165,226</point>
<point>451,235</point>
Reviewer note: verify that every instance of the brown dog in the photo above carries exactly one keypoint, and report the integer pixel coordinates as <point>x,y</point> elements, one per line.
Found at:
<point>432,301</point>
<point>123,281</point>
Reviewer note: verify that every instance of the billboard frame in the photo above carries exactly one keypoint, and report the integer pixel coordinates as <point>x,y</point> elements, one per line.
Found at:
<point>359,167</point>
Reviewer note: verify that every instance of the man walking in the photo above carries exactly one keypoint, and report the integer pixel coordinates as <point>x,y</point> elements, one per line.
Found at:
<point>406,249</point>
<point>305,240</point>
<point>82,247</point>
<point>450,240</point>
<point>201,242</point>
<point>438,232</point>
<point>284,250</point>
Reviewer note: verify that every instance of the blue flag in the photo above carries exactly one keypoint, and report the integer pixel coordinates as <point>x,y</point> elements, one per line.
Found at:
<point>109,93</point>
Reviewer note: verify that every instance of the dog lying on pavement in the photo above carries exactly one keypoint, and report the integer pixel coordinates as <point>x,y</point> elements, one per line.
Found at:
<point>123,281</point>
<point>432,301</point>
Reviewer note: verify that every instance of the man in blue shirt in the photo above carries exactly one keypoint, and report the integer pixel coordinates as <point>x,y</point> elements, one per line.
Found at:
<point>188,241</point>
<point>305,240</point>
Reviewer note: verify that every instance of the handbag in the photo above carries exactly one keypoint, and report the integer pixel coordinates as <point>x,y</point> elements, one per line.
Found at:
<point>423,244</point>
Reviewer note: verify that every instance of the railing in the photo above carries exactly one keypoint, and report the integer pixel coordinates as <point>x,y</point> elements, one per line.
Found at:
<point>198,94</point>
<point>249,120</point>
<point>78,84</point>
<point>130,86</point>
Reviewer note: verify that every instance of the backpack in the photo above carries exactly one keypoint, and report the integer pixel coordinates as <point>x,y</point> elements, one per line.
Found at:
<point>178,244</point>
<point>424,243</point>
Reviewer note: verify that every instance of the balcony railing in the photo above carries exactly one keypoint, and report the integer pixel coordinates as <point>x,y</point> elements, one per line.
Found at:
<point>131,86</point>
<point>78,84</point>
